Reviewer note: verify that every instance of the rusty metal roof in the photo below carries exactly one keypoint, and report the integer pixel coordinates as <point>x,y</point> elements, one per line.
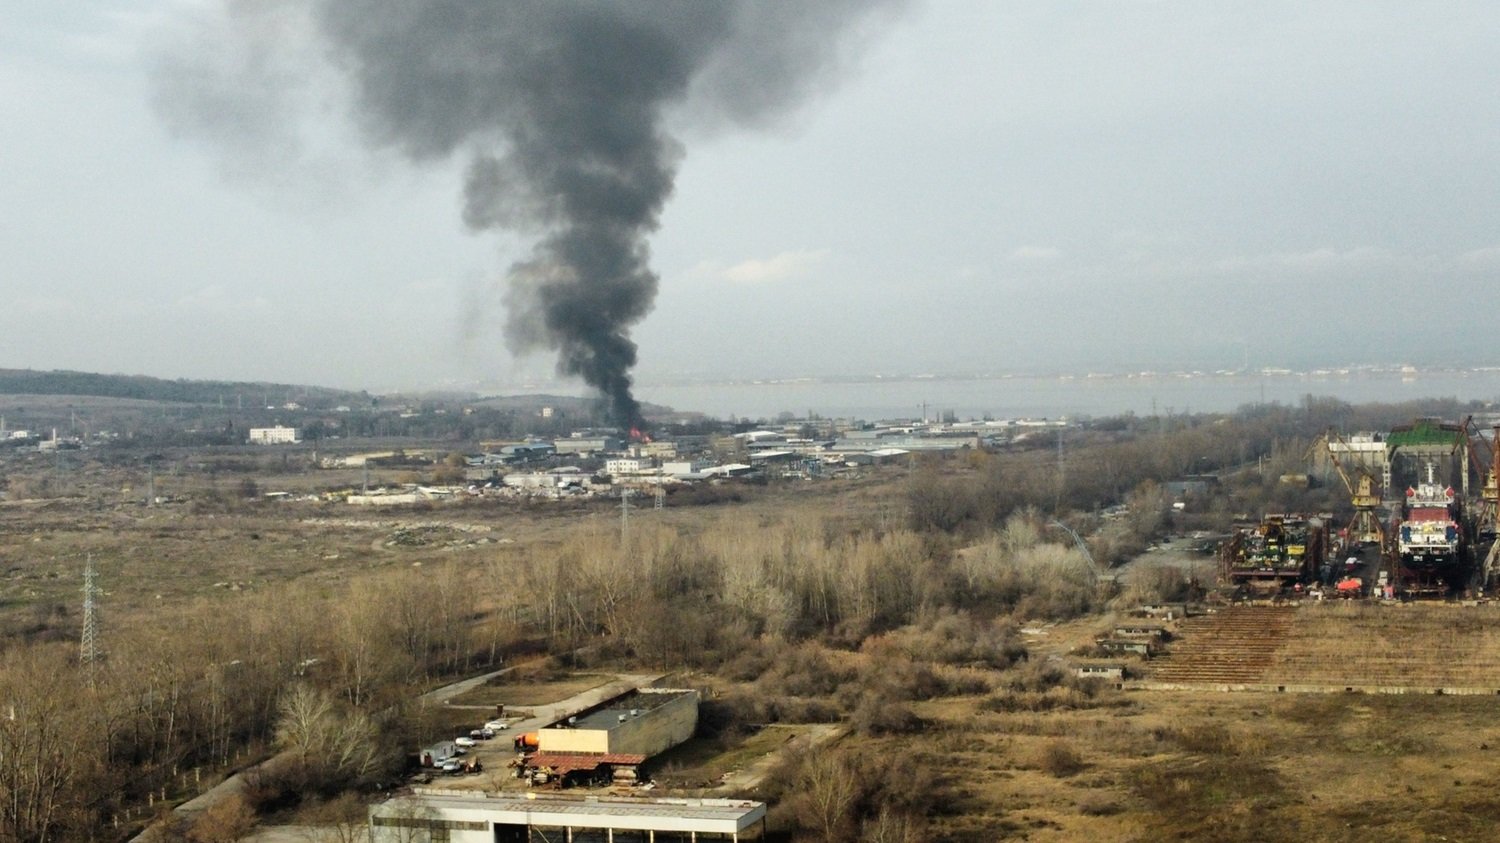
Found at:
<point>567,762</point>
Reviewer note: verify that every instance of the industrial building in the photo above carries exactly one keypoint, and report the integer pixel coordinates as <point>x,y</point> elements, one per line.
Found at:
<point>643,722</point>
<point>627,465</point>
<point>470,817</point>
<point>588,445</point>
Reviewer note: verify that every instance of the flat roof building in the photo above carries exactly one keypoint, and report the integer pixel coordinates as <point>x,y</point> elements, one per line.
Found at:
<point>469,817</point>
<point>643,722</point>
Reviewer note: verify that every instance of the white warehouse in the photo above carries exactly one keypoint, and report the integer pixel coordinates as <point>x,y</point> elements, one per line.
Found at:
<point>474,817</point>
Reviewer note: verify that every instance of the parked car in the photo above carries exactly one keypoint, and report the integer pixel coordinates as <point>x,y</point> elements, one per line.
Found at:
<point>451,767</point>
<point>464,741</point>
<point>497,725</point>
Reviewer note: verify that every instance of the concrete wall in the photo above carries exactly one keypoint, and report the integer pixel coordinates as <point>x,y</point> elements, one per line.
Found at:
<point>653,731</point>
<point>658,729</point>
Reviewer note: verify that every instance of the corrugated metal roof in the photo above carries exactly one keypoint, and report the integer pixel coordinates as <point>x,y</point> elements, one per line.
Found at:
<point>1424,432</point>
<point>567,762</point>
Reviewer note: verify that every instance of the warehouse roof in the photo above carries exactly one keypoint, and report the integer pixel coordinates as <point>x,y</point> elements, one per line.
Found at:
<point>623,708</point>
<point>724,816</point>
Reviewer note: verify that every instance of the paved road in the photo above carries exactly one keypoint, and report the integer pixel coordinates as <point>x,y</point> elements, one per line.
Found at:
<point>494,755</point>
<point>751,775</point>
<point>440,696</point>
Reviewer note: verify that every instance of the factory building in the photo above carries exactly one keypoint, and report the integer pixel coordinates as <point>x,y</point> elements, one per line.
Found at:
<point>430,814</point>
<point>643,722</point>
<point>588,445</point>
<point>684,468</point>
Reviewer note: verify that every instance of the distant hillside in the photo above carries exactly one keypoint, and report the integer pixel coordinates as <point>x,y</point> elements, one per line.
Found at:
<point>32,382</point>
<point>562,403</point>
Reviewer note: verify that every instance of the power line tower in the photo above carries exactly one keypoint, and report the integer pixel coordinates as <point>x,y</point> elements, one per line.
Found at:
<point>661,496</point>
<point>624,513</point>
<point>89,652</point>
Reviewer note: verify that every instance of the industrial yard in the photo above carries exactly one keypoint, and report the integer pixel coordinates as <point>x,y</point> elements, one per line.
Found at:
<point>1154,659</point>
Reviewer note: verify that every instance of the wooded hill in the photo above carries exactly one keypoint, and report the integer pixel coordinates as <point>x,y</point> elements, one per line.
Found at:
<point>60,382</point>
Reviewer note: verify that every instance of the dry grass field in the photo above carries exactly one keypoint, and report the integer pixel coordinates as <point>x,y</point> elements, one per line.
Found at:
<point>1252,767</point>
<point>1049,764</point>
<point>207,542</point>
<point>522,691</point>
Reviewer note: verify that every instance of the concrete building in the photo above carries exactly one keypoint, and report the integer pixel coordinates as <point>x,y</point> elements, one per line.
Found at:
<point>644,722</point>
<point>774,456</point>
<point>733,469</point>
<point>430,814</point>
<point>1100,670</point>
<point>664,449</point>
<point>1138,647</point>
<point>626,465</point>
<point>588,445</point>
<point>277,435</point>
<point>543,479</point>
<point>684,468</point>
<point>1148,631</point>
<point>879,456</point>
<point>528,451</point>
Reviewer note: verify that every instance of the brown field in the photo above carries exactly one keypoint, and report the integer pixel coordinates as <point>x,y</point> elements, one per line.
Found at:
<point>1054,764</point>
<point>528,692</point>
<point>1248,767</point>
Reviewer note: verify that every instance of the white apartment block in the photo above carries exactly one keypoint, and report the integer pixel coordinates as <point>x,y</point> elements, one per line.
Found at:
<point>277,435</point>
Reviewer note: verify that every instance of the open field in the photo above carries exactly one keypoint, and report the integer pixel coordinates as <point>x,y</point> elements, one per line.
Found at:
<point>214,545</point>
<point>523,692</point>
<point>1252,767</point>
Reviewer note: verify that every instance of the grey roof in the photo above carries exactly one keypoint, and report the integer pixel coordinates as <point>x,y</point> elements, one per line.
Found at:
<point>680,814</point>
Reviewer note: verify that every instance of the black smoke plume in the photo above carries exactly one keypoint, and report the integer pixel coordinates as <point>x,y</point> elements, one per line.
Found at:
<point>562,107</point>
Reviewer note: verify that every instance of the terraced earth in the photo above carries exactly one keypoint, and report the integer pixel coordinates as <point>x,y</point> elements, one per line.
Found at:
<point>1236,645</point>
<point>1419,647</point>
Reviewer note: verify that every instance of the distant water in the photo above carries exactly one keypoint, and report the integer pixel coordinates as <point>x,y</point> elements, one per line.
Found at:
<point>1015,397</point>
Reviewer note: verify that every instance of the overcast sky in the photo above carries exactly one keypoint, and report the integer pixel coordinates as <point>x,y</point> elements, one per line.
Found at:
<point>984,186</point>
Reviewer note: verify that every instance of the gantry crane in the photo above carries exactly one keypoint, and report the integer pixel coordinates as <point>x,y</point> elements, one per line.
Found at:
<point>1365,527</point>
<point>1487,514</point>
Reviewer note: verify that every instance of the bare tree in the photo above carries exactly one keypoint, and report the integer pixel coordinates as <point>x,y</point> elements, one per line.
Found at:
<point>829,789</point>
<point>45,751</point>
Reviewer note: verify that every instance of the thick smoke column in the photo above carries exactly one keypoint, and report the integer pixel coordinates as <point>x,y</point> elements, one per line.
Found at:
<point>562,109</point>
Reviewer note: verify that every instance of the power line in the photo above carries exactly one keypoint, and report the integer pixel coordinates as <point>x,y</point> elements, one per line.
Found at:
<point>89,652</point>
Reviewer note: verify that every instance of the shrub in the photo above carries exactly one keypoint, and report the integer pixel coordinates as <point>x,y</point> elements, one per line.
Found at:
<point>1059,760</point>
<point>877,715</point>
<point>807,671</point>
<point>1098,806</point>
<point>955,638</point>
<point>1213,739</point>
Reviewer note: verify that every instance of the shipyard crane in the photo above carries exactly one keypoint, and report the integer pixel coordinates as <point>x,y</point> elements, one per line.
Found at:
<point>1487,514</point>
<point>1365,527</point>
